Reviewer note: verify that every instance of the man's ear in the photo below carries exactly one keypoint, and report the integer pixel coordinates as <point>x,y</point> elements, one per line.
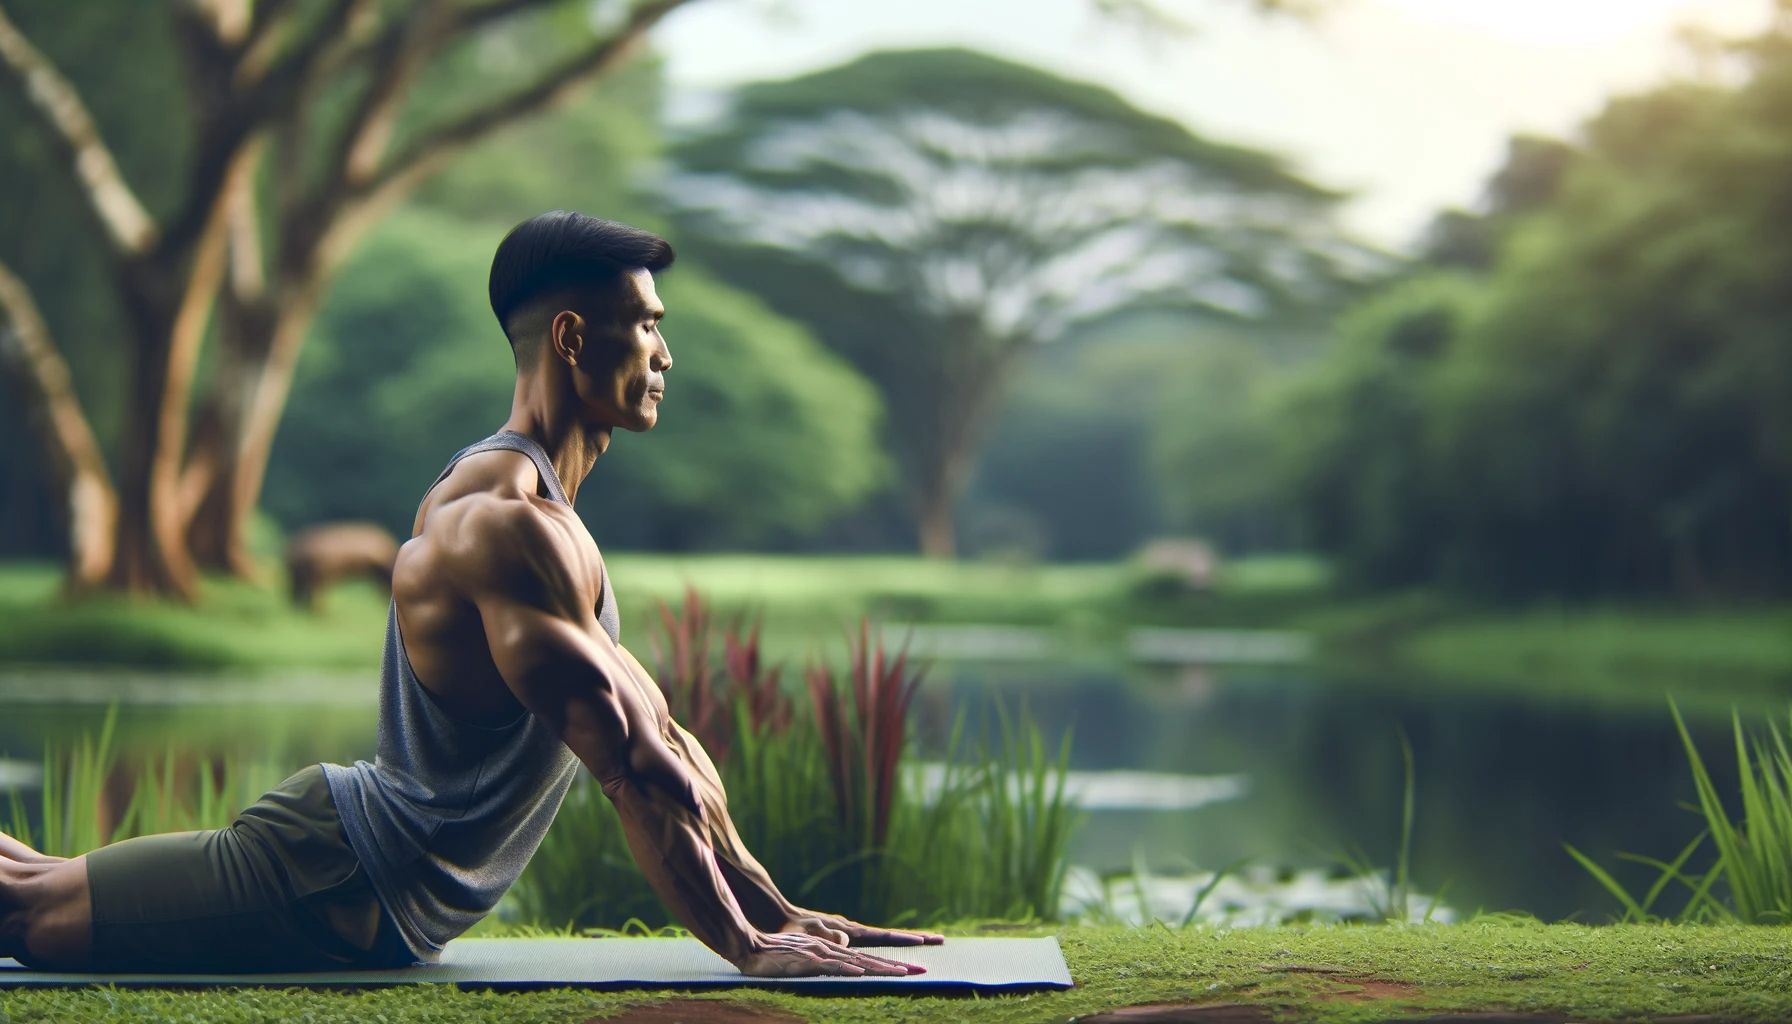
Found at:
<point>566,333</point>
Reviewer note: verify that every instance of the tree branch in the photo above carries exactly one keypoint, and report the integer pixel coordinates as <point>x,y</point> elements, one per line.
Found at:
<point>479,15</point>
<point>271,99</point>
<point>429,152</point>
<point>400,54</point>
<point>126,222</point>
<point>48,391</point>
<point>229,20</point>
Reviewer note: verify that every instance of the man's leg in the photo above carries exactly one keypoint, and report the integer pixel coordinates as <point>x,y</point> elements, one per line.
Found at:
<point>46,912</point>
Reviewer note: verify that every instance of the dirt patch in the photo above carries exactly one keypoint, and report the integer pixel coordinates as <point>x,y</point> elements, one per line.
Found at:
<point>1493,1017</point>
<point>699,1011</point>
<point>1369,990</point>
<point>1183,1013</point>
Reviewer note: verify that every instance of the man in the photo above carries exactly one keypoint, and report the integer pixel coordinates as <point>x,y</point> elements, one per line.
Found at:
<point>502,671</point>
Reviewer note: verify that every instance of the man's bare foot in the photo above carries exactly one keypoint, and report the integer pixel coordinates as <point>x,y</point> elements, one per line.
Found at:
<point>46,913</point>
<point>799,955</point>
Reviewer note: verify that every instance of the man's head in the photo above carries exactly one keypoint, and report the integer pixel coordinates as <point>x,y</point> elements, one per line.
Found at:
<point>575,296</point>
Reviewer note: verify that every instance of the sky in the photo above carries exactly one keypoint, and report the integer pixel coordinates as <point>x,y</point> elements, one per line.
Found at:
<point>1405,104</point>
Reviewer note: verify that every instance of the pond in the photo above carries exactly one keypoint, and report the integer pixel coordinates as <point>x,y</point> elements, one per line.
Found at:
<point>1186,767</point>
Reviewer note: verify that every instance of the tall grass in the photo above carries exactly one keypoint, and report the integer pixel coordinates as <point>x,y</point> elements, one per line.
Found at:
<point>170,792</point>
<point>830,797</point>
<point>1753,857</point>
<point>1390,897</point>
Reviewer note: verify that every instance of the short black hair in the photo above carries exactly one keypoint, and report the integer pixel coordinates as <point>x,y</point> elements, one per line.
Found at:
<point>563,249</point>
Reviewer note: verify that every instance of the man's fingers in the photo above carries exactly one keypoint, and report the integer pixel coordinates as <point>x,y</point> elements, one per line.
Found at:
<point>887,937</point>
<point>869,963</point>
<point>882,966</point>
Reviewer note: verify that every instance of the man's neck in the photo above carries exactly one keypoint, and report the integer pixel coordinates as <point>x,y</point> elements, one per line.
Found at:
<point>572,446</point>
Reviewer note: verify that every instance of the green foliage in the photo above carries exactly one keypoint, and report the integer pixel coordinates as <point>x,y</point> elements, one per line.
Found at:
<point>1355,430</point>
<point>764,434</point>
<point>830,799</point>
<point>1215,448</point>
<point>1608,408</point>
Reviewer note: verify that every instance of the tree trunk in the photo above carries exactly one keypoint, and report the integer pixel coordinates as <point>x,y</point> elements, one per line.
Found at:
<point>46,390</point>
<point>217,535</point>
<point>140,564</point>
<point>934,516</point>
<point>972,372</point>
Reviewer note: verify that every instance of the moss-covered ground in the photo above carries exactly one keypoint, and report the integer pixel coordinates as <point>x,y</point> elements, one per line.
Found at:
<point>1319,974</point>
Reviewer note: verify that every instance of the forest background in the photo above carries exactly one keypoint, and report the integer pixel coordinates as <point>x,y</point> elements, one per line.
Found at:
<point>1581,388</point>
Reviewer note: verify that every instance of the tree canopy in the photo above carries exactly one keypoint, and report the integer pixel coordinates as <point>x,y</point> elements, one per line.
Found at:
<point>938,213</point>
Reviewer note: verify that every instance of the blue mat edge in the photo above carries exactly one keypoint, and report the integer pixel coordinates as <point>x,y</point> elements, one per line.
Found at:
<point>14,978</point>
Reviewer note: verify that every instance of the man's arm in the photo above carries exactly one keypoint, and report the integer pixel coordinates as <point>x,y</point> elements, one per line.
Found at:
<point>522,569</point>
<point>759,897</point>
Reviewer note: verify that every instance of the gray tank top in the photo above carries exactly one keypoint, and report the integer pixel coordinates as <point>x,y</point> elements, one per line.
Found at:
<point>449,812</point>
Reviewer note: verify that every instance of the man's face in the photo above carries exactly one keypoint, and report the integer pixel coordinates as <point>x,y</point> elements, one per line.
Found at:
<point>623,362</point>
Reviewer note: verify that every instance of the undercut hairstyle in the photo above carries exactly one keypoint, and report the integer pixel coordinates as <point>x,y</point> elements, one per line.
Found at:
<point>562,251</point>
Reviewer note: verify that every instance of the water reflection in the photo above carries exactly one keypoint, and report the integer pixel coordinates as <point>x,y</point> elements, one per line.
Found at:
<point>1503,781</point>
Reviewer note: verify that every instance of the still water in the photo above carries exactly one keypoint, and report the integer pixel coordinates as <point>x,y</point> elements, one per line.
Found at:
<point>1281,764</point>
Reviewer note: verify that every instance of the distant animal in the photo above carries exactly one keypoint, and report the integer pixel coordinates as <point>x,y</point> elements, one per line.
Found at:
<point>321,555</point>
<point>1184,563</point>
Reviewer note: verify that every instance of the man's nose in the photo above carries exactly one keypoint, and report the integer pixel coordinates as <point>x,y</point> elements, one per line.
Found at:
<point>662,358</point>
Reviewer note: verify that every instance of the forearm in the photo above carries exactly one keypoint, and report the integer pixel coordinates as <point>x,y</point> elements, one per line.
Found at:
<point>752,885</point>
<point>672,848</point>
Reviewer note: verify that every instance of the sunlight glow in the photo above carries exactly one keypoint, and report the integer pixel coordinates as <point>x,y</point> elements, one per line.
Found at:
<point>1564,22</point>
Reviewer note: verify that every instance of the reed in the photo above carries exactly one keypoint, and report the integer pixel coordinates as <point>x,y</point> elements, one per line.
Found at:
<point>1753,855</point>
<point>170,792</point>
<point>74,781</point>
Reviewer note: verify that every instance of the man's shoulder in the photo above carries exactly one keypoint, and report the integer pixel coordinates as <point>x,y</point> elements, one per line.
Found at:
<point>495,535</point>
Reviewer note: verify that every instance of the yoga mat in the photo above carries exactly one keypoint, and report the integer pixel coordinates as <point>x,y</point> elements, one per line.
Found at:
<point>987,965</point>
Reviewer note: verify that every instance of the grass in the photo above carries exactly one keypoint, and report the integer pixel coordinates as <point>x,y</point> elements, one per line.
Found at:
<point>236,627</point>
<point>1753,858</point>
<point>1610,649</point>
<point>1612,973</point>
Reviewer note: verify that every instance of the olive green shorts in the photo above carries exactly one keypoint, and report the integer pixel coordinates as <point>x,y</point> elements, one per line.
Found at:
<point>279,890</point>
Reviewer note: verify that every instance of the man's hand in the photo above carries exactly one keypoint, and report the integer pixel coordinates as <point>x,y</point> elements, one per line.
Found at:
<point>845,932</point>
<point>798,955</point>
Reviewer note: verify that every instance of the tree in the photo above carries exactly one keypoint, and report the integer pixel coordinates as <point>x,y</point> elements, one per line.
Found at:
<point>939,213</point>
<point>306,123</point>
<point>1607,409</point>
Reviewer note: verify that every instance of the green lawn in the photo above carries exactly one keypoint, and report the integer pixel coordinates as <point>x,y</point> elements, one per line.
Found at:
<point>1373,973</point>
